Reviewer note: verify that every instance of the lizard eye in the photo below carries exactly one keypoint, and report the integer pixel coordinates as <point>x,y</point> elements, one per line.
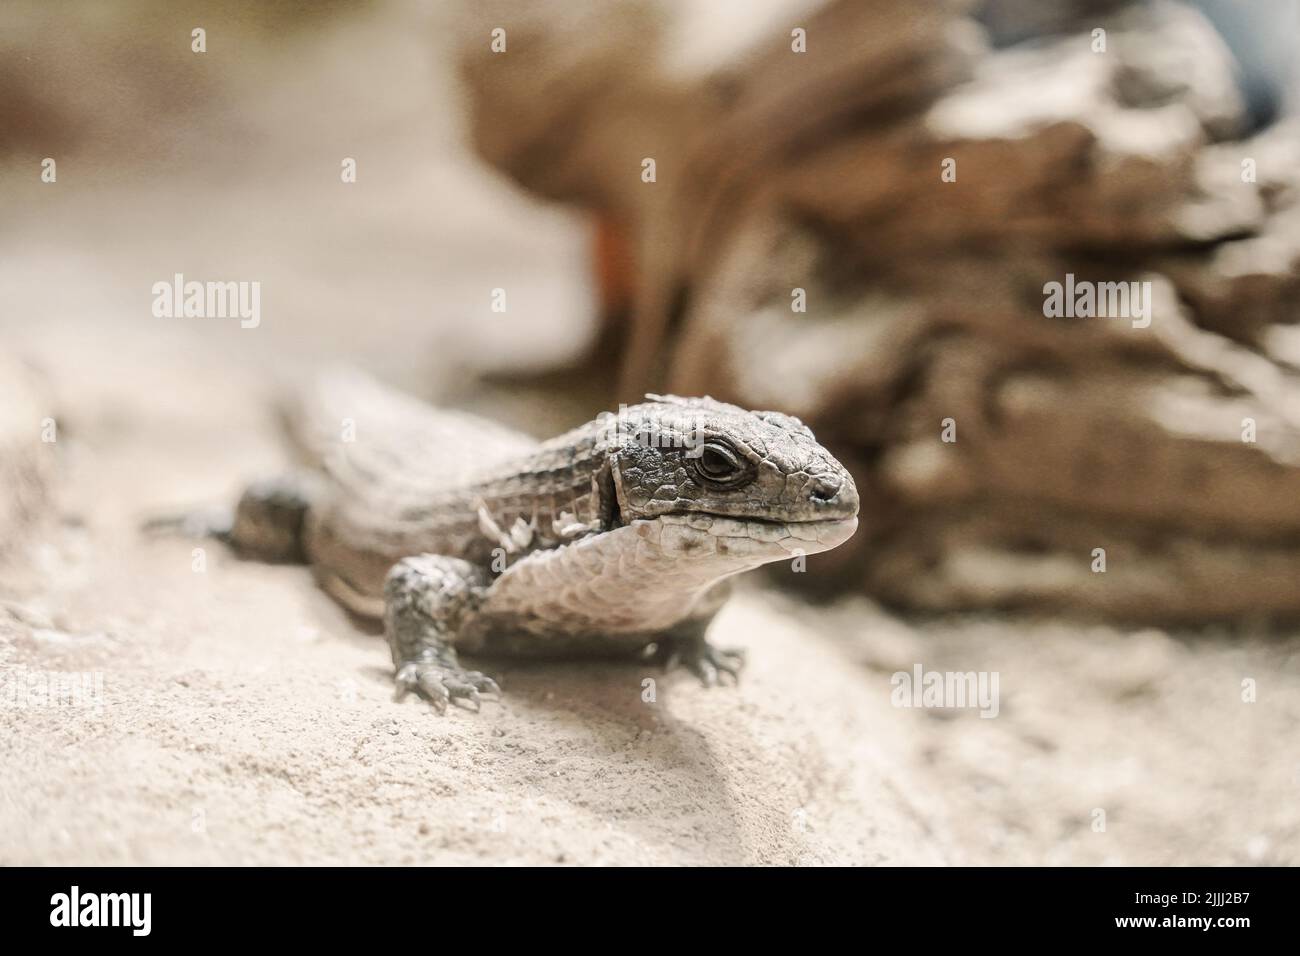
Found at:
<point>718,464</point>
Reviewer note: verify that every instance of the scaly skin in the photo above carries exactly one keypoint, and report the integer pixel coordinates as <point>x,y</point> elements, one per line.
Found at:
<point>603,541</point>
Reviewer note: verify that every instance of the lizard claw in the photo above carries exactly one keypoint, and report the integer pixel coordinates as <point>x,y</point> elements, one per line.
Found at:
<point>441,685</point>
<point>707,662</point>
<point>483,684</point>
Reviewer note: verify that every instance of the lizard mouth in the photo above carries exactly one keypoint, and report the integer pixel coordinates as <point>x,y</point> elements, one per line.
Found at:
<point>762,538</point>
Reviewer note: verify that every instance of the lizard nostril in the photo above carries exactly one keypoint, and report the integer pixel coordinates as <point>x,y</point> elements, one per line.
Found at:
<point>825,488</point>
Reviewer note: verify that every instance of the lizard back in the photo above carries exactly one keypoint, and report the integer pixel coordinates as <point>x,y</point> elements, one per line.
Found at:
<point>401,477</point>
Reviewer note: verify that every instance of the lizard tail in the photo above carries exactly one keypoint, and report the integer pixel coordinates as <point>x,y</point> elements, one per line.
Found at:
<point>366,435</point>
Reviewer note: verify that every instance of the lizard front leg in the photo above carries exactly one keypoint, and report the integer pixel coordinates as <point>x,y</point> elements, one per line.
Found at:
<point>686,645</point>
<point>689,649</point>
<point>427,599</point>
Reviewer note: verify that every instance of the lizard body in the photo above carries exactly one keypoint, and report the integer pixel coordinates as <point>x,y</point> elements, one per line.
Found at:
<point>610,538</point>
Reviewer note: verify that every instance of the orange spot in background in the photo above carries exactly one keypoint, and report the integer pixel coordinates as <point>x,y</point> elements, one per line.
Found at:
<point>614,265</point>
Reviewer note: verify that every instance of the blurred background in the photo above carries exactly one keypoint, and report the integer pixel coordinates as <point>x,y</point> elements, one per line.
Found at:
<point>911,175</point>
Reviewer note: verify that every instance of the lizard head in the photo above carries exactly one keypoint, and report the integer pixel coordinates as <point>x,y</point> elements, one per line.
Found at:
<point>752,476</point>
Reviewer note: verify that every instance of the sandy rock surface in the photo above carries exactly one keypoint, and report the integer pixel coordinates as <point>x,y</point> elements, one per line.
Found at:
<point>241,717</point>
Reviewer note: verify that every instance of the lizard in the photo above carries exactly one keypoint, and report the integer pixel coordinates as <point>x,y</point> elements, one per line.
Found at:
<point>616,538</point>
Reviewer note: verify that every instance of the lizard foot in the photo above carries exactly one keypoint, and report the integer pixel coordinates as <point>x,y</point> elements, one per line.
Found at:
<point>705,661</point>
<point>441,684</point>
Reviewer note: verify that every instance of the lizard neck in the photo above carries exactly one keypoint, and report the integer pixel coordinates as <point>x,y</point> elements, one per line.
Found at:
<point>560,492</point>
<point>641,579</point>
